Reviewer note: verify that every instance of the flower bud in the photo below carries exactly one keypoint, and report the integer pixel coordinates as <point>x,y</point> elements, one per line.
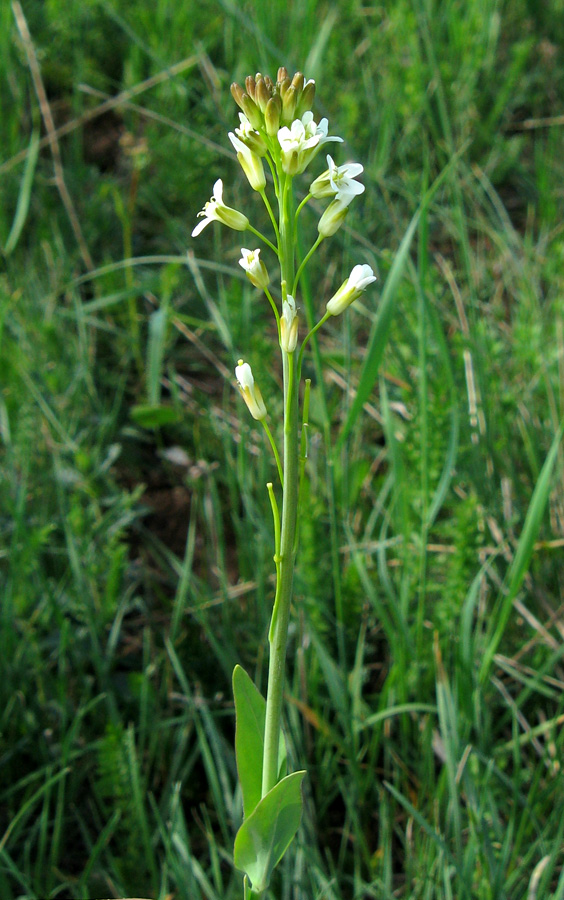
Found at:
<point>250,391</point>
<point>306,99</point>
<point>281,75</point>
<point>353,287</point>
<point>254,268</point>
<point>251,111</point>
<point>269,83</point>
<point>250,163</point>
<point>250,86</point>
<point>238,94</point>
<point>289,325</point>
<point>298,82</point>
<point>332,218</point>
<point>283,87</point>
<point>272,115</point>
<point>262,95</point>
<point>289,103</point>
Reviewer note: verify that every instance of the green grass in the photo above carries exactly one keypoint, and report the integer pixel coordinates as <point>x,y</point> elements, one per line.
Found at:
<point>425,691</point>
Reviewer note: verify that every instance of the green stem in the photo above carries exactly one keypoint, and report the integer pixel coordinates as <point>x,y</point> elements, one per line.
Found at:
<point>275,451</point>
<point>304,263</point>
<point>274,309</point>
<point>301,206</point>
<point>278,635</point>
<point>260,235</point>
<point>308,336</point>
<point>271,214</point>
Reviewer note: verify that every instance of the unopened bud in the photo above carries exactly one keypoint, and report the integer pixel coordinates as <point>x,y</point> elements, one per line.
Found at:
<point>250,391</point>
<point>289,325</point>
<point>251,111</point>
<point>332,218</point>
<point>269,83</point>
<point>298,82</point>
<point>281,75</point>
<point>289,103</point>
<point>238,94</point>
<point>272,115</point>
<point>250,86</point>
<point>353,287</point>
<point>306,99</point>
<point>283,87</point>
<point>262,95</point>
<point>250,163</point>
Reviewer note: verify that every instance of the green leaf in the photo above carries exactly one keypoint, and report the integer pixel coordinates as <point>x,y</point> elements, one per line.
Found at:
<point>250,710</point>
<point>24,197</point>
<point>149,416</point>
<point>264,837</point>
<point>155,353</point>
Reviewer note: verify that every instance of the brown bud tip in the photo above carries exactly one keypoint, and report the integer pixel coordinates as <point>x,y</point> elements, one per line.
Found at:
<point>307,98</point>
<point>262,95</point>
<point>289,104</point>
<point>238,94</point>
<point>272,115</point>
<point>298,82</point>
<point>282,74</point>
<point>283,86</point>
<point>250,85</point>
<point>251,111</point>
<point>269,83</point>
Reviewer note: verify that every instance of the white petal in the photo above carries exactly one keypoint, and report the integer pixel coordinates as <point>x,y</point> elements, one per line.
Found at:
<point>200,227</point>
<point>218,191</point>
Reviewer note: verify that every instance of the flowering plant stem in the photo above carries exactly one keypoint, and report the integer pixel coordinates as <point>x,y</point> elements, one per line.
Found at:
<point>278,635</point>
<point>272,800</point>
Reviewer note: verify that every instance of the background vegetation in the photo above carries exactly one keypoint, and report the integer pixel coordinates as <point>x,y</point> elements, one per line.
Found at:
<point>426,682</point>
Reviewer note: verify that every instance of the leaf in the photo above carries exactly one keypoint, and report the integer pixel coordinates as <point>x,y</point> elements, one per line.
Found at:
<point>24,197</point>
<point>155,353</point>
<point>250,711</point>
<point>264,837</point>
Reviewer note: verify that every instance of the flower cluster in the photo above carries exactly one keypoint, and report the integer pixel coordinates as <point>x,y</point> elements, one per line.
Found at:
<point>276,122</point>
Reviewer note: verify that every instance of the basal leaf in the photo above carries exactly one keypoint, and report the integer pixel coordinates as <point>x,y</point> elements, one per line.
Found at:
<point>250,710</point>
<point>265,836</point>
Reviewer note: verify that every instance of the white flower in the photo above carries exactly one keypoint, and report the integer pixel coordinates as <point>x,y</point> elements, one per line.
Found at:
<point>251,164</point>
<point>338,181</point>
<point>289,325</point>
<point>250,136</point>
<point>254,267</point>
<point>356,283</point>
<point>302,141</point>
<point>250,391</point>
<point>216,210</point>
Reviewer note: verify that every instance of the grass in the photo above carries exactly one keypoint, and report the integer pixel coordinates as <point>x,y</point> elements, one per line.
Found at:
<point>425,681</point>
